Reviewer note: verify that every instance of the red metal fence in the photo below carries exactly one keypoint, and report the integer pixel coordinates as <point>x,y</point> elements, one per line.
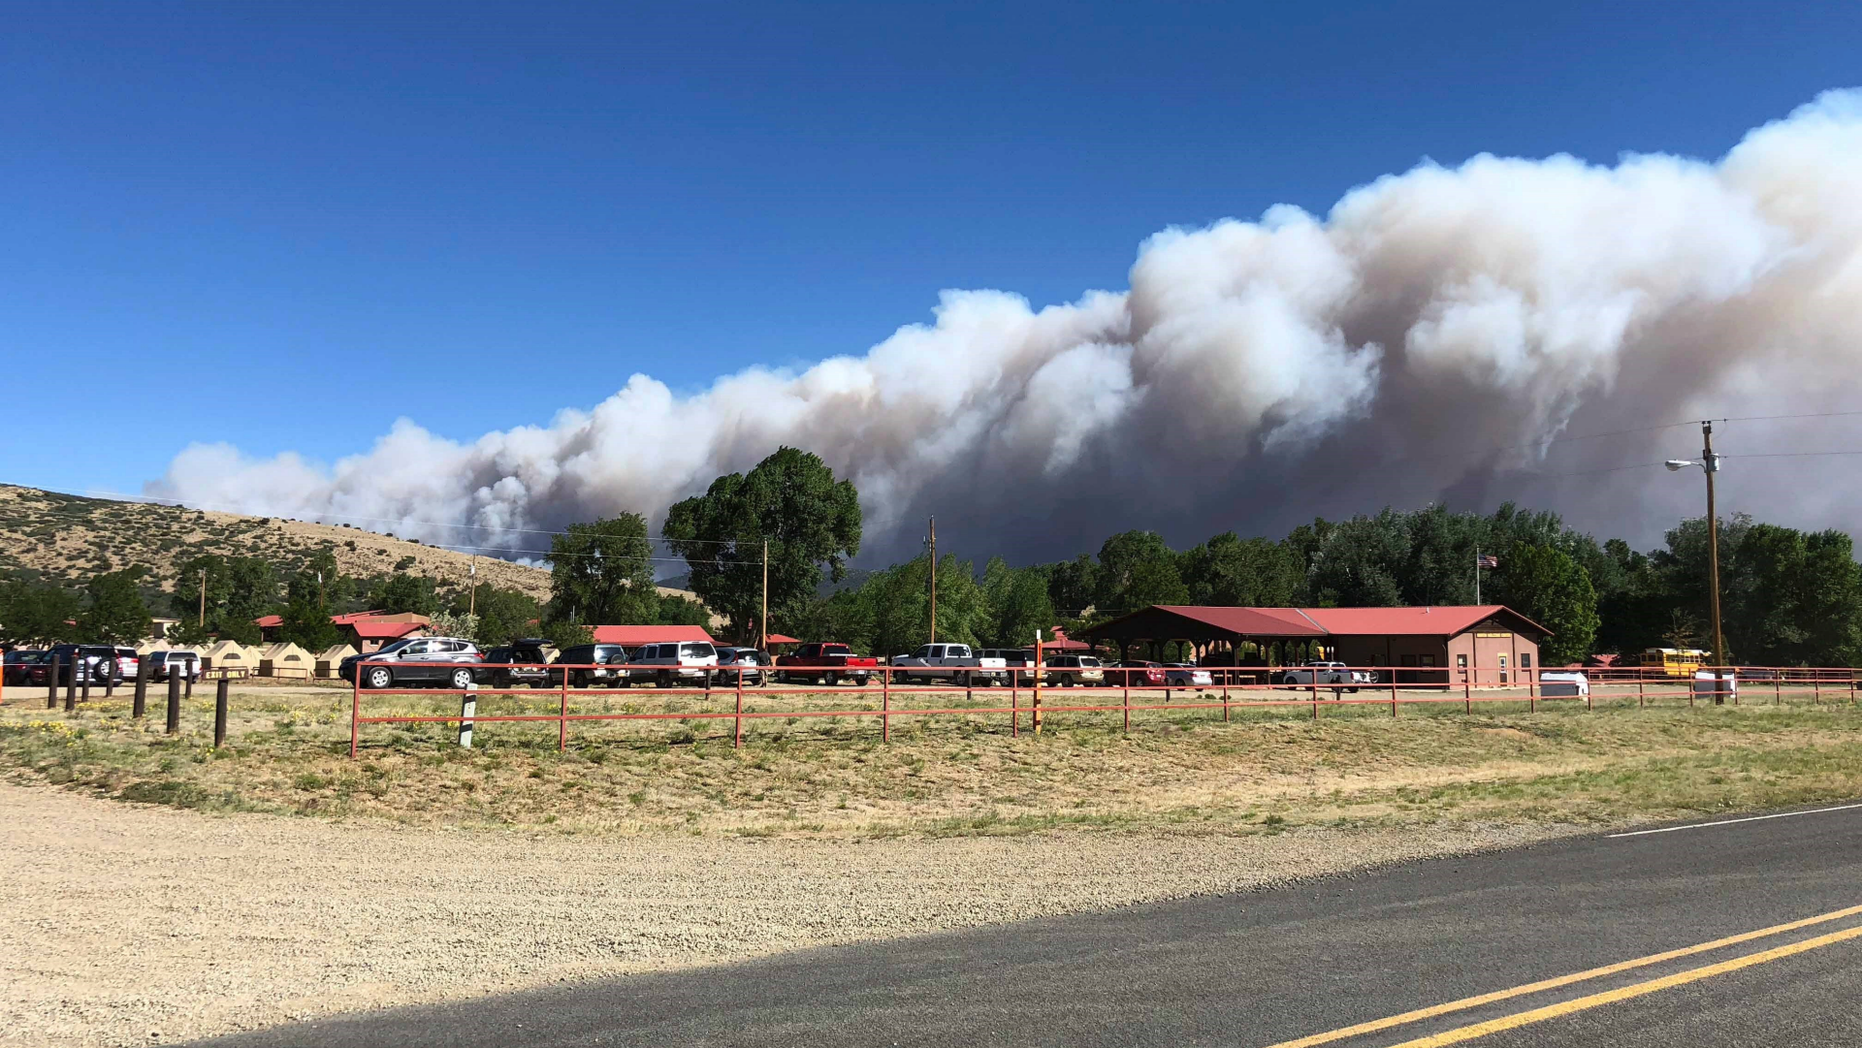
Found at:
<point>1030,693</point>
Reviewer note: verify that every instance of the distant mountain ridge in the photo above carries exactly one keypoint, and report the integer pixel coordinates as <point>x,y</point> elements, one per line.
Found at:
<point>69,538</point>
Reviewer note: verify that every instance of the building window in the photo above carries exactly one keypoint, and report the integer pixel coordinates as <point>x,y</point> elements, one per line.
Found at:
<point>1461,662</point>
<point>1525,660</point>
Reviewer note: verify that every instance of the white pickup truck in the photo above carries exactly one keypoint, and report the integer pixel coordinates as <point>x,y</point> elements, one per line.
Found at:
<point>951,662</point>
<point>1334,673</point>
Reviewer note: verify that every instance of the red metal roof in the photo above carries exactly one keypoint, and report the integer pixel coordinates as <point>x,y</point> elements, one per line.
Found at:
<point>1322,622</point>
<point>1426,621</point>
<point>630,636</point>
<point>780,638</point>
<point>1252,622</point>
<point>266,622</point>
<point>1062,642</point>
<point>369,629</point>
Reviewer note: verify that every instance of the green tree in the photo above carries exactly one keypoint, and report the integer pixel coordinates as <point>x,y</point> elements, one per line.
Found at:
<point>36,614</point>
<point>504,615</point>
<point>1136,570</point>
<point>1793,599</point>
<point>401,593</point>
<point>675,610</point>
<point>1547,585</point>
<point>1018,604</point>
<point>116,614</point>
<point>1073,585</point>
<point>790,499</point>
<point>1229,571</point>
<point>463,625</point>
<point>601,573</point>
<point>309,598</point>
<point>239,591</point>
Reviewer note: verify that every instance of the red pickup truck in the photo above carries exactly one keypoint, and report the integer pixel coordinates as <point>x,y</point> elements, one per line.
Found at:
<point>825,664</point>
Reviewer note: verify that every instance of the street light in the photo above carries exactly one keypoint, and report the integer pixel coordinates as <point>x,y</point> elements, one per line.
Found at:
<point>1709,464</point>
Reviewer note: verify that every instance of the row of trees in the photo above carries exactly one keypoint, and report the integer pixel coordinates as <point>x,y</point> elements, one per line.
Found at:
<point>1789,597</point>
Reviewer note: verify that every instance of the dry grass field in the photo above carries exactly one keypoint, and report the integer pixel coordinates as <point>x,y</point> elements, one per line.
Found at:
<point>1177,771</point>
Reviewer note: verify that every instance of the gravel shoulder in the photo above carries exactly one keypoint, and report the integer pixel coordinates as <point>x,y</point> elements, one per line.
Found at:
<point>132,924</point>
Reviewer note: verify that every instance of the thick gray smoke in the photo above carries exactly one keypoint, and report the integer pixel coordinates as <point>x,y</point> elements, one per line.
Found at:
<point>1411,346</point>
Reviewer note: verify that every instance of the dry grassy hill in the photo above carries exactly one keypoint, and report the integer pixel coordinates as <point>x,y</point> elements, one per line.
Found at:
<point>70,538</point>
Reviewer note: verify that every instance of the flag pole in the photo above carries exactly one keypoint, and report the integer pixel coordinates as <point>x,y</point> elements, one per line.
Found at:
<point>1477,575</point>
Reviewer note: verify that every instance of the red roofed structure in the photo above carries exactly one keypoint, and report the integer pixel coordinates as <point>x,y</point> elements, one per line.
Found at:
<point>1059,641</point>
<point>634,636</point>
<point>1483,644</point>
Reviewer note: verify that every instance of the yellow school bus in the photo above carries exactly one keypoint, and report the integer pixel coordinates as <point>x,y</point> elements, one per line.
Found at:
<point>1674,662</point>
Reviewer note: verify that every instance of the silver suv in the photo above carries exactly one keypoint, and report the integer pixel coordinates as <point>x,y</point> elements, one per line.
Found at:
<point>672,661</point>
<point>445,661</point>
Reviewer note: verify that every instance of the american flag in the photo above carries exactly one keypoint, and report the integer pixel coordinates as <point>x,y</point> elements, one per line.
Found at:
<point>1486,560</point>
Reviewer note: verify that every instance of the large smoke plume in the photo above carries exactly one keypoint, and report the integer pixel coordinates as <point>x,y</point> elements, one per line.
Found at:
<point>1419,343</point>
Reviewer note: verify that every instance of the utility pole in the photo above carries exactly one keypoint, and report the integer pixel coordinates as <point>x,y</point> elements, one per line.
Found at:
<point>933,542</point>
<point>1477,575</point>
<point>471,585</point>
<point>202,623</point>
<point>763,620</point>
<point>1710,464</point>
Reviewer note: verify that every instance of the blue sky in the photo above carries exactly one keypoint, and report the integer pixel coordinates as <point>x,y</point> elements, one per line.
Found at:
<point>330,216</point>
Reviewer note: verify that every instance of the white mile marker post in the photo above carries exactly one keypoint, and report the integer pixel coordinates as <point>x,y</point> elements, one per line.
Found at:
<point>468,709</point>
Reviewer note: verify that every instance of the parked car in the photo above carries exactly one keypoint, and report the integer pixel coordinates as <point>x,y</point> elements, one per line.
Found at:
<point>950,662</point>
<point>163,663</point>
<point>1076,670</point>
<point>827,663</point>
<point>1135,673</point>
<point>1554,684</point>
<point>128,663</point>
<point>1186,675</point>
<point>94,663</point>
<point>592,664</point>
<point>518,664</point>
<point>1325,672</point>
<point>741,664</point>
<point>1019,660</point>
<point>443,661</point>
<point>21,664</point>
<point>672,662</point>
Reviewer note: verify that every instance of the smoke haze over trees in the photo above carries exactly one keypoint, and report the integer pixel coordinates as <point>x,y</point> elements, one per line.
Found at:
<point>1420,342</point>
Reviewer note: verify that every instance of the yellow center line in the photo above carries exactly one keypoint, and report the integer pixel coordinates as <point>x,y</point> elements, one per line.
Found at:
<point>1563,980</point>
<point>1553,1011</point>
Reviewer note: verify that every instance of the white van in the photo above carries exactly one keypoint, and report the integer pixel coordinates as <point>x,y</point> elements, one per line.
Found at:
<point>672,662</point>
<point>1563,684</point>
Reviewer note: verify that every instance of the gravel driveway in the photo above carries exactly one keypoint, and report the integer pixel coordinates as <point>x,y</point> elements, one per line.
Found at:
<point>136,925</point>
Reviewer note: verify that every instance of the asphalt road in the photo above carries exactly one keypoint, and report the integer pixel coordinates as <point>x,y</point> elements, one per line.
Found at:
<point>1264,968</point>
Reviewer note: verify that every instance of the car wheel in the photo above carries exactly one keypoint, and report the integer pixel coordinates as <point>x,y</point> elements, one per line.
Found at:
<point>1290,681</point>
<point>664,680</point>
<point>462,679</point>
<point>380,677</point>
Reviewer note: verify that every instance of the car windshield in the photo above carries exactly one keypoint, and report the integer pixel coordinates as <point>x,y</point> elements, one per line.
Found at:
<point>393,647</point>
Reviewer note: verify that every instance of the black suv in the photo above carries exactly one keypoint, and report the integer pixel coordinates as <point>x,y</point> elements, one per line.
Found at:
<point>96,662</point>
<point>519,663</point>
<point>583,655</point>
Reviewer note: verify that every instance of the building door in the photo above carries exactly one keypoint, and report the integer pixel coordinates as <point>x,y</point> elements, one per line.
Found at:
<point>1503,669</point>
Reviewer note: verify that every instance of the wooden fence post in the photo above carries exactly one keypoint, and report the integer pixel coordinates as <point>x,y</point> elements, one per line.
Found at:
<point>219,713</point>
